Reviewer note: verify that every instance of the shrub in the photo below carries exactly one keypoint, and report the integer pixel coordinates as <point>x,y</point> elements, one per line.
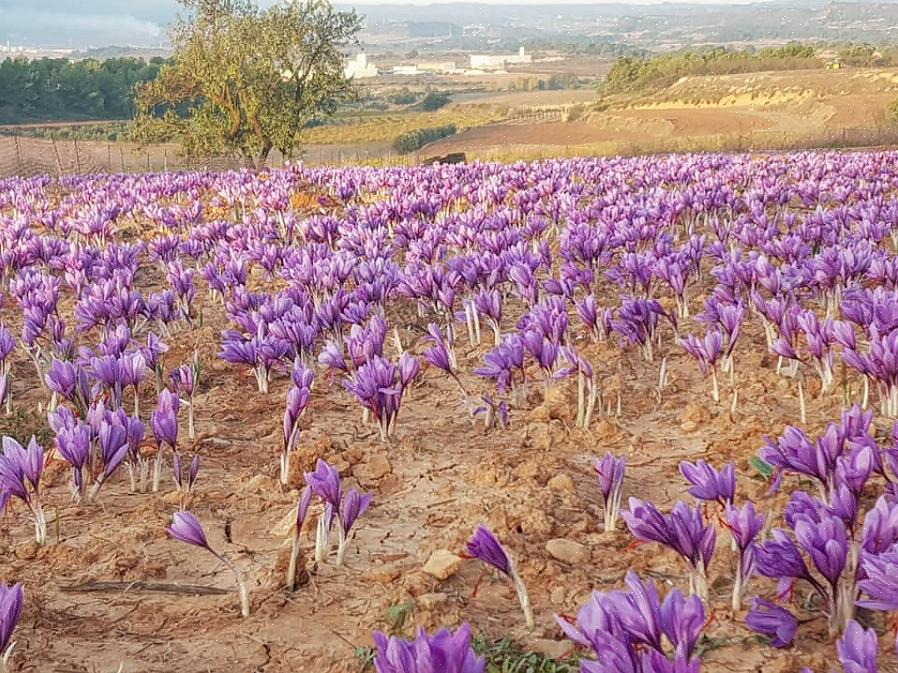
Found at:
<point>415,140</point>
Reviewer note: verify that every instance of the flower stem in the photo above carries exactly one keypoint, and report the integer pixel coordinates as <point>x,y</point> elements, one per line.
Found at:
<point>523,598</point>
<point>291,569</point>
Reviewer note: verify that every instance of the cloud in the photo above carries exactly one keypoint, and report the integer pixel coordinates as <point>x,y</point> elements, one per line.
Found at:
<point>62,27</point>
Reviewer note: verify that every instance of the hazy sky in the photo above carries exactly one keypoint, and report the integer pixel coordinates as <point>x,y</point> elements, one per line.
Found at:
<point>546,2</point>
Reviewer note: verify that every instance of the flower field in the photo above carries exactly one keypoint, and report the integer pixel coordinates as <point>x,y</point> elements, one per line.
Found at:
<point>639,413</point>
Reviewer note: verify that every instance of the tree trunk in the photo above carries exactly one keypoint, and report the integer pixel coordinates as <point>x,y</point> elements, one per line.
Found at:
<point>262,160</point>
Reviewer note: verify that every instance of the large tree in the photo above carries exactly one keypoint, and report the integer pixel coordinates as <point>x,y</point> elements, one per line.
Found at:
<point>245,80</point>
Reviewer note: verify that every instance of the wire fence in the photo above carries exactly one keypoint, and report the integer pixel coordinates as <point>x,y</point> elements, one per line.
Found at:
<point>22,156</point>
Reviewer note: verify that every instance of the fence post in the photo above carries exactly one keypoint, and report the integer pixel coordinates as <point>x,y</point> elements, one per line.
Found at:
<point>58,159</point>
<point>109,157</point>
<point>121,152</point>
<point>19,167</point>
<point>164,159</point>
<point>77,158</point>
<point>148,160</point>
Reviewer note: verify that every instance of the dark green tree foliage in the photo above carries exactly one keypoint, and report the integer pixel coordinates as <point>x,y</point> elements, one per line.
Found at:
<point>47,90</point>
<point>434,101</point>
<point>415,140</point>
<point>250,78</point>
<point>636,75</point>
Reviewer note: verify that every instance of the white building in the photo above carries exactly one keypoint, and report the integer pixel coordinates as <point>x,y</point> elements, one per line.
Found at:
<point>359,68</point>
<point>499,61</point>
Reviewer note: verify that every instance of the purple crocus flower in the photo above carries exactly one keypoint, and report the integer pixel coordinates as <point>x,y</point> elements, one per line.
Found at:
<point>185,528</point>
<point>353,506</point>
<point>302,511</point>
<point>325,483</point>
<point>682,621</point>
<point>610,472</point>
<point>683,530</point>
<point>297,400</point>
<point>164,423</point>
<point>880,581</point>
<point>772,621</point>
<point>11,599</point>
<point>744,525</point>
<point>484,546</point>
<point>20,474</point>
<point>164,420</point>
<point>858,649</point>
<point>442,652</point>
<point>708,484</point>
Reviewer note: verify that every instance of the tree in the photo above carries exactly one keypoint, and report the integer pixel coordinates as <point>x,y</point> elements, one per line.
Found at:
<point>243,80</point>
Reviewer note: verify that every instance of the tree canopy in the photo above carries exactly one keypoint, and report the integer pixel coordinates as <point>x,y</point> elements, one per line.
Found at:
<point>56,89</point>
<point>243,80</point>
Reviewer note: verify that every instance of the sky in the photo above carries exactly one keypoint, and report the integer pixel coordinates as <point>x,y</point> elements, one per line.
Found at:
<point>98,22</point>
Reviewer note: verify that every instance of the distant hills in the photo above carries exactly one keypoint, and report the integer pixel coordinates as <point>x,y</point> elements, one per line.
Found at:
<point>100,23</point>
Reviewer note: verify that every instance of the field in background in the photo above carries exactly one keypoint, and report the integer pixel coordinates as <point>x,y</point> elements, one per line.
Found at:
<point>773,110</point>
<point>758,111</point>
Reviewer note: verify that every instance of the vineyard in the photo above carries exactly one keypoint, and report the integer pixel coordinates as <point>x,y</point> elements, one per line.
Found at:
<point>388,127</point>
<point>608,415</point>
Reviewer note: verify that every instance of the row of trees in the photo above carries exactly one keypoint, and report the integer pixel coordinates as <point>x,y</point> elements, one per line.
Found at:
<point>636,75</point>
<point>46,90</point>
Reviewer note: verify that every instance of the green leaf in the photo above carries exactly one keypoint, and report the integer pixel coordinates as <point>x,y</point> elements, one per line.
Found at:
<point>764,470</point>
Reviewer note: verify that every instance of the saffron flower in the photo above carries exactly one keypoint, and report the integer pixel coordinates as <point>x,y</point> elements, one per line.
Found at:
<point>164,423</point>
<point>302,511</point>
<point>610,472</point>
<point>185,528</point>
<point>20,476</point>
<point>353,506</point>
<point>683,530</point>
<point>443,652</point>
<point>744,525</point>
<point>11,599</point>
<point>484,546</point>
<point>708,484</point>
<point>858,649</point>
<point>772,621</point>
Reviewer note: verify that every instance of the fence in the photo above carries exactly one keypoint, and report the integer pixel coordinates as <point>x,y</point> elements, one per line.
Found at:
<point>34,156</point>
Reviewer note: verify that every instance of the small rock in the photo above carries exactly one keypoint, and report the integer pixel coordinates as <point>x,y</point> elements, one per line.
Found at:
<point>416,583</point>
<point>260,482</point>
<point>604,429</point>
<point>535,522</point>
<point>697,413</point>
<point>539,436</point>
<point>688,426</point>
<point>557,402</point>
<point>172,498</point>
<point>432,601</point>
<point>540,414</point>
<point>218,442</point>
<point>567,551</point>
<point>384,574</point>
<point>561,482</point>
<point>558,595</point>
<point>284,528</point>
<point>376,468</point>
<point>354,454</point>
<point>442,564</point>
<point>554,649</point>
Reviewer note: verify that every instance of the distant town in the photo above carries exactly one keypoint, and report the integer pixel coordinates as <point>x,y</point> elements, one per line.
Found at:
<point>362,67</point>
